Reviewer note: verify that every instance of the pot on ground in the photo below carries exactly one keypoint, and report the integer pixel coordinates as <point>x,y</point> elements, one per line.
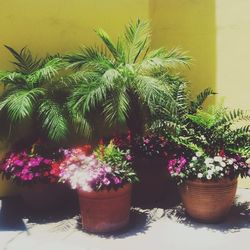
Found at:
<point>153,180</point>
<point>43,197</point>
<point>208,201</point>
<point>105,210</point>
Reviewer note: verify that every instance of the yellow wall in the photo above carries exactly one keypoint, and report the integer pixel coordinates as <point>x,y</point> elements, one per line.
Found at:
<point>189,25</point>
<point>62,25</point>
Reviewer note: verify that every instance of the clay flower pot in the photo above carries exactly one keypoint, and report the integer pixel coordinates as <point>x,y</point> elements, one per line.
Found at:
<point>43,197</point>
<point>152,183</point>
<point>105,210</point>
<point>208,201</point>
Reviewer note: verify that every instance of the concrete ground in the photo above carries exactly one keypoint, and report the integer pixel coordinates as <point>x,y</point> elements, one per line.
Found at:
<point>163,226</point>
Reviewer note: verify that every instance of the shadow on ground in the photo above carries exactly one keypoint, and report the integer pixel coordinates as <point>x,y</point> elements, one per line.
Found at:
<point>237,219</point>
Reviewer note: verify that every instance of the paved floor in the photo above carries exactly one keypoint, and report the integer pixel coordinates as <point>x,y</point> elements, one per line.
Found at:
<point>155,228</point>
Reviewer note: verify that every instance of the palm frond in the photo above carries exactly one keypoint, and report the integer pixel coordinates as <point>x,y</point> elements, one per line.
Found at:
<point>12,78</point>
<point>25,63</point>
<point>109,43</point>
<point>81,124</point>
<point>116,109</point>
<point>47,72</point>
<point>89,57</point>
<point>151,90</point>
<point>53,121</point>
<point>161,58</point>
<point>87,96</point>
<point>21,104</point>
<point>137,38</point>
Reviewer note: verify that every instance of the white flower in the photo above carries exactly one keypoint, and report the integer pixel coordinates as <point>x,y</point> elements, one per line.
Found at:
<point>230,161</point>
<point>191,164</point>
<point>248,161</point>
<point>199,175</point>
<point>218,158</point>
<point>223,164</point>
<point>198,154</point>
<point>210,171</point>
<point>194,158</point>
<point>208,161</point>
<point>236,166</point>
<point>221,174</point>
<point>218,168</point>
<point>209,177</point>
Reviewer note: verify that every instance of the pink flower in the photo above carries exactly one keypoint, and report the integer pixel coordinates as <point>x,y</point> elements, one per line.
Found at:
<point>117,180</point>
<point>106,181</point>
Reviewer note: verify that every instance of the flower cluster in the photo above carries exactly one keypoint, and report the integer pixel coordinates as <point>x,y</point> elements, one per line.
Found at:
<point>106,167</point>
<point>147,146</point>
<point>208,168</point>
<point>28,167</point>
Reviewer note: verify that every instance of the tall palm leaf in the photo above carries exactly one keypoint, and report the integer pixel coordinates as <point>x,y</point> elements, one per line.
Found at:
<point>126,87</point>
<point>27,91</point>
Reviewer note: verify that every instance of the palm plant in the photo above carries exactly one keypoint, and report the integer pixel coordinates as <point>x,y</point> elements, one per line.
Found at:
<point>209,131</point>
<point>30,93</point>
<point>125,80</point>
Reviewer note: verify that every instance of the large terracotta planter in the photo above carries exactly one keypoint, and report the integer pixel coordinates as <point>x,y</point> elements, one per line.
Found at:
<point>106,210</point>
<point>152,184</point>
<point>208,201</point>
<point>43,197</point>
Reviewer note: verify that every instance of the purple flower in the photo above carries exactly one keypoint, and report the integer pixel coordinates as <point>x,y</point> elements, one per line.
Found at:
<point>128,157</point>
<point>182,162</point>
<point>18,163</point>
<point>117,180</point>
<point>47,161</point>
<point>248,172</point>
<point>146,141</point>
<point>106,181</point>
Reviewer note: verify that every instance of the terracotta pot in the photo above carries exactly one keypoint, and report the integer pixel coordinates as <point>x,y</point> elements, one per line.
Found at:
<point>208,201</point>
<point>152,184</point>
<point>106,210</point>
<point>43,197</point>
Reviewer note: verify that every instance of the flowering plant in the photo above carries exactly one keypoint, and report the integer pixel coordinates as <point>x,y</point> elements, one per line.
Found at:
<point>148,146</point>
<point>31,165</point>
<point>203,167</point>
<point>105,168</point>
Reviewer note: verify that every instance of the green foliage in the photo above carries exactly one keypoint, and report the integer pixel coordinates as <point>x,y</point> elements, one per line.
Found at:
<point>116,158</point>
<point>124,78</point>
<point>28,93</point>
<point>209,131</point>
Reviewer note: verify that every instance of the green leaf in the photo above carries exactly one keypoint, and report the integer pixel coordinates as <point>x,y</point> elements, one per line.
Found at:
<point>25,63</point>
<point>21,103</point>
<point>53,120</point>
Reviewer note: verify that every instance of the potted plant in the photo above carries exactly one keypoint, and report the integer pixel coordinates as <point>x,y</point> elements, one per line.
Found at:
<point>123,81</point>
<point>103,180</point>
<point>218,152</point>
<point>149,154</point>
<point>33,97</point>
<point>36,170</point>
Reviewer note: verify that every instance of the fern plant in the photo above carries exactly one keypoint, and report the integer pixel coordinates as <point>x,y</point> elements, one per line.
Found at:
<point>210,131</point>
<point>124,80</point>
<point>30,92</point>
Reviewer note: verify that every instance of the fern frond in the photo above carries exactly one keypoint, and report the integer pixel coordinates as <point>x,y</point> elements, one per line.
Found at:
<point>200,99</point>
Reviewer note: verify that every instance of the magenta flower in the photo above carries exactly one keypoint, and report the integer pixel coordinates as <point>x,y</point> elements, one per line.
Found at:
<point>106,181</point>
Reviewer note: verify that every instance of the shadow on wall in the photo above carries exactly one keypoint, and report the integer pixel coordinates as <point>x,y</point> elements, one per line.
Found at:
<point>191,26</point>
